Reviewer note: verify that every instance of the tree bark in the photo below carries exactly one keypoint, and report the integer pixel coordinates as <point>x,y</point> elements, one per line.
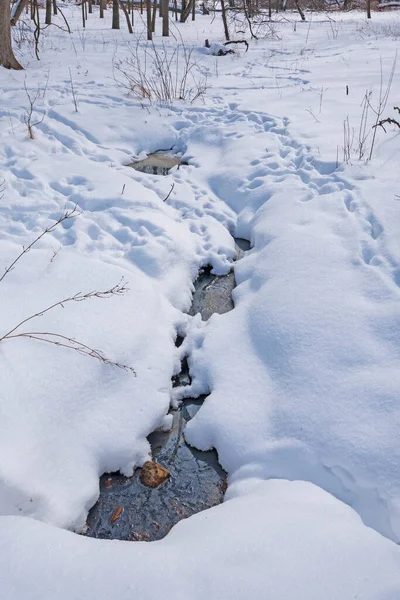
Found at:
<point>55,9</point>
<point>128,22</point>
<point>165,18</point>
<point>7,58</point>
<point>115,16</point>
<point>153,17</point>
<point>101,9</point>
<point>90,4</point>
<point>224,20</point>
<point>301,13</point>
<point>148,15</point>
<point>368,9</point>
<point>17,10</point>
<point>194,10</point>
<point>48,12</point>
<point>183,9</point>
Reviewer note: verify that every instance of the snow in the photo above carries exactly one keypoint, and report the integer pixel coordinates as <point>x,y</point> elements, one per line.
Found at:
<point>302,374</point>
<point>277,537</point>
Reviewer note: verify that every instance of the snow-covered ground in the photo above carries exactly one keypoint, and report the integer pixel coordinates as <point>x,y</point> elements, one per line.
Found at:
<point>303,374</point>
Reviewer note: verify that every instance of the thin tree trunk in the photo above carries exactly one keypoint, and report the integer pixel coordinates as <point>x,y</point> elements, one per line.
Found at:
<point>224,20</point>
<point>270,9</point>
<point>176,9</point>
<point>185,13</point>
<point>17,10</point>
<point>7,58</point>
<point>165,18</point>
<point>141,7</point>
<point>101,9</point>
<point>48,12</point>
<point>90,4</point>
<point>183,8</point>
<point>83,14</point>
<point>301,13</point>
<point>148,15</point>
<point>55,9</point>
<point>153,18</point>
<point>115,16</point>
<point>194,10</point>
<point>128,22</point>
<point>368,9</point>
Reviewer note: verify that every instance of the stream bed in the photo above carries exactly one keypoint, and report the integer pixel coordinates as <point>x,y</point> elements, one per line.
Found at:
<point>129,510</point>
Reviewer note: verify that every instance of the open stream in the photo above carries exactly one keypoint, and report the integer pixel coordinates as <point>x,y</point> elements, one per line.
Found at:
<point>180,480</point>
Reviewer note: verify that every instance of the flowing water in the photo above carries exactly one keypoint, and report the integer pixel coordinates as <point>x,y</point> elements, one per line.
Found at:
<point>129,510</point>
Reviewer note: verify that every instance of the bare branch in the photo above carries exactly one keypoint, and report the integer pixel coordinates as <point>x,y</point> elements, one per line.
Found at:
<point>72,344</point>
<point>117,290</point>
<point>389,121</point>
<point>68,214</point>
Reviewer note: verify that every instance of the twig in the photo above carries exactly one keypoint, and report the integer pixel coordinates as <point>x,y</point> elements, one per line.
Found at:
<point>68,214</point>
<point>117,290</point>
<point>238,42</point>
<point>170,192</point>
<point>384,121</point>
<point>71,344</point>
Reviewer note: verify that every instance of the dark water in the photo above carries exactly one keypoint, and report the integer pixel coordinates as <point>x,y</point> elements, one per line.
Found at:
<point>127,509</point>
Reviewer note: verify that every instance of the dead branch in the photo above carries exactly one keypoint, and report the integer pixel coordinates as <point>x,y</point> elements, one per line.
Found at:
<point>58,339</point>
<point>238,42</point>
<point>68,214</point>
<point>117,290</point>
<point>170,192</point>
<point>384,121</point>
<point>63,341</point>
<point>71,344</point>
<point>63,16</point>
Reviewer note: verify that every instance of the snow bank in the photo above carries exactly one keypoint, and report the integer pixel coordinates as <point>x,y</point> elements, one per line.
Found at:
<point>280,539</point>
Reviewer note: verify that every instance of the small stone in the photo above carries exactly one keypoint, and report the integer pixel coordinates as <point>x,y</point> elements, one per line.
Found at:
<point>153,474</point>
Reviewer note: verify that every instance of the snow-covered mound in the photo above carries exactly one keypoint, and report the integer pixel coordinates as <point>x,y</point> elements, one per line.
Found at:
<point>282,540</point>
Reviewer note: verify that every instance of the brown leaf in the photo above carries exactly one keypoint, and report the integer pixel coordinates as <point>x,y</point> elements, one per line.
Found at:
<point>116,514</point>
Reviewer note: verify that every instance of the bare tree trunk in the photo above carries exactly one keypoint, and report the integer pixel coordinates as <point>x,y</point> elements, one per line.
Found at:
<point>17,10</point>
<point>368,9</point>
<point>224,20</point>
<point>153,18</point>
<point>55,9</point>
<point>176,9</point>
<point>301,13</point>
<point>48,12</point>
<point>194,10</point>
<point>148,15</point>
<point>115,16</point>
<point>186,12</point>
<point>183,9</point>
<point>7,58</point>
<point>90,4</point>
<point>141,7</point>
<point>83,14</point>
<point>128,22</point>
<point>270,9</point>
<point>101,9</point>
<point>165,22</point>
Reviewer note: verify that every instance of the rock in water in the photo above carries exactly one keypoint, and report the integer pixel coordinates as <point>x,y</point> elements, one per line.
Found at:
<point>153,474</point>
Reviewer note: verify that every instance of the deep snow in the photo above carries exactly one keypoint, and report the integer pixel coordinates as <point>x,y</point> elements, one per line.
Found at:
<point>302,374</point>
